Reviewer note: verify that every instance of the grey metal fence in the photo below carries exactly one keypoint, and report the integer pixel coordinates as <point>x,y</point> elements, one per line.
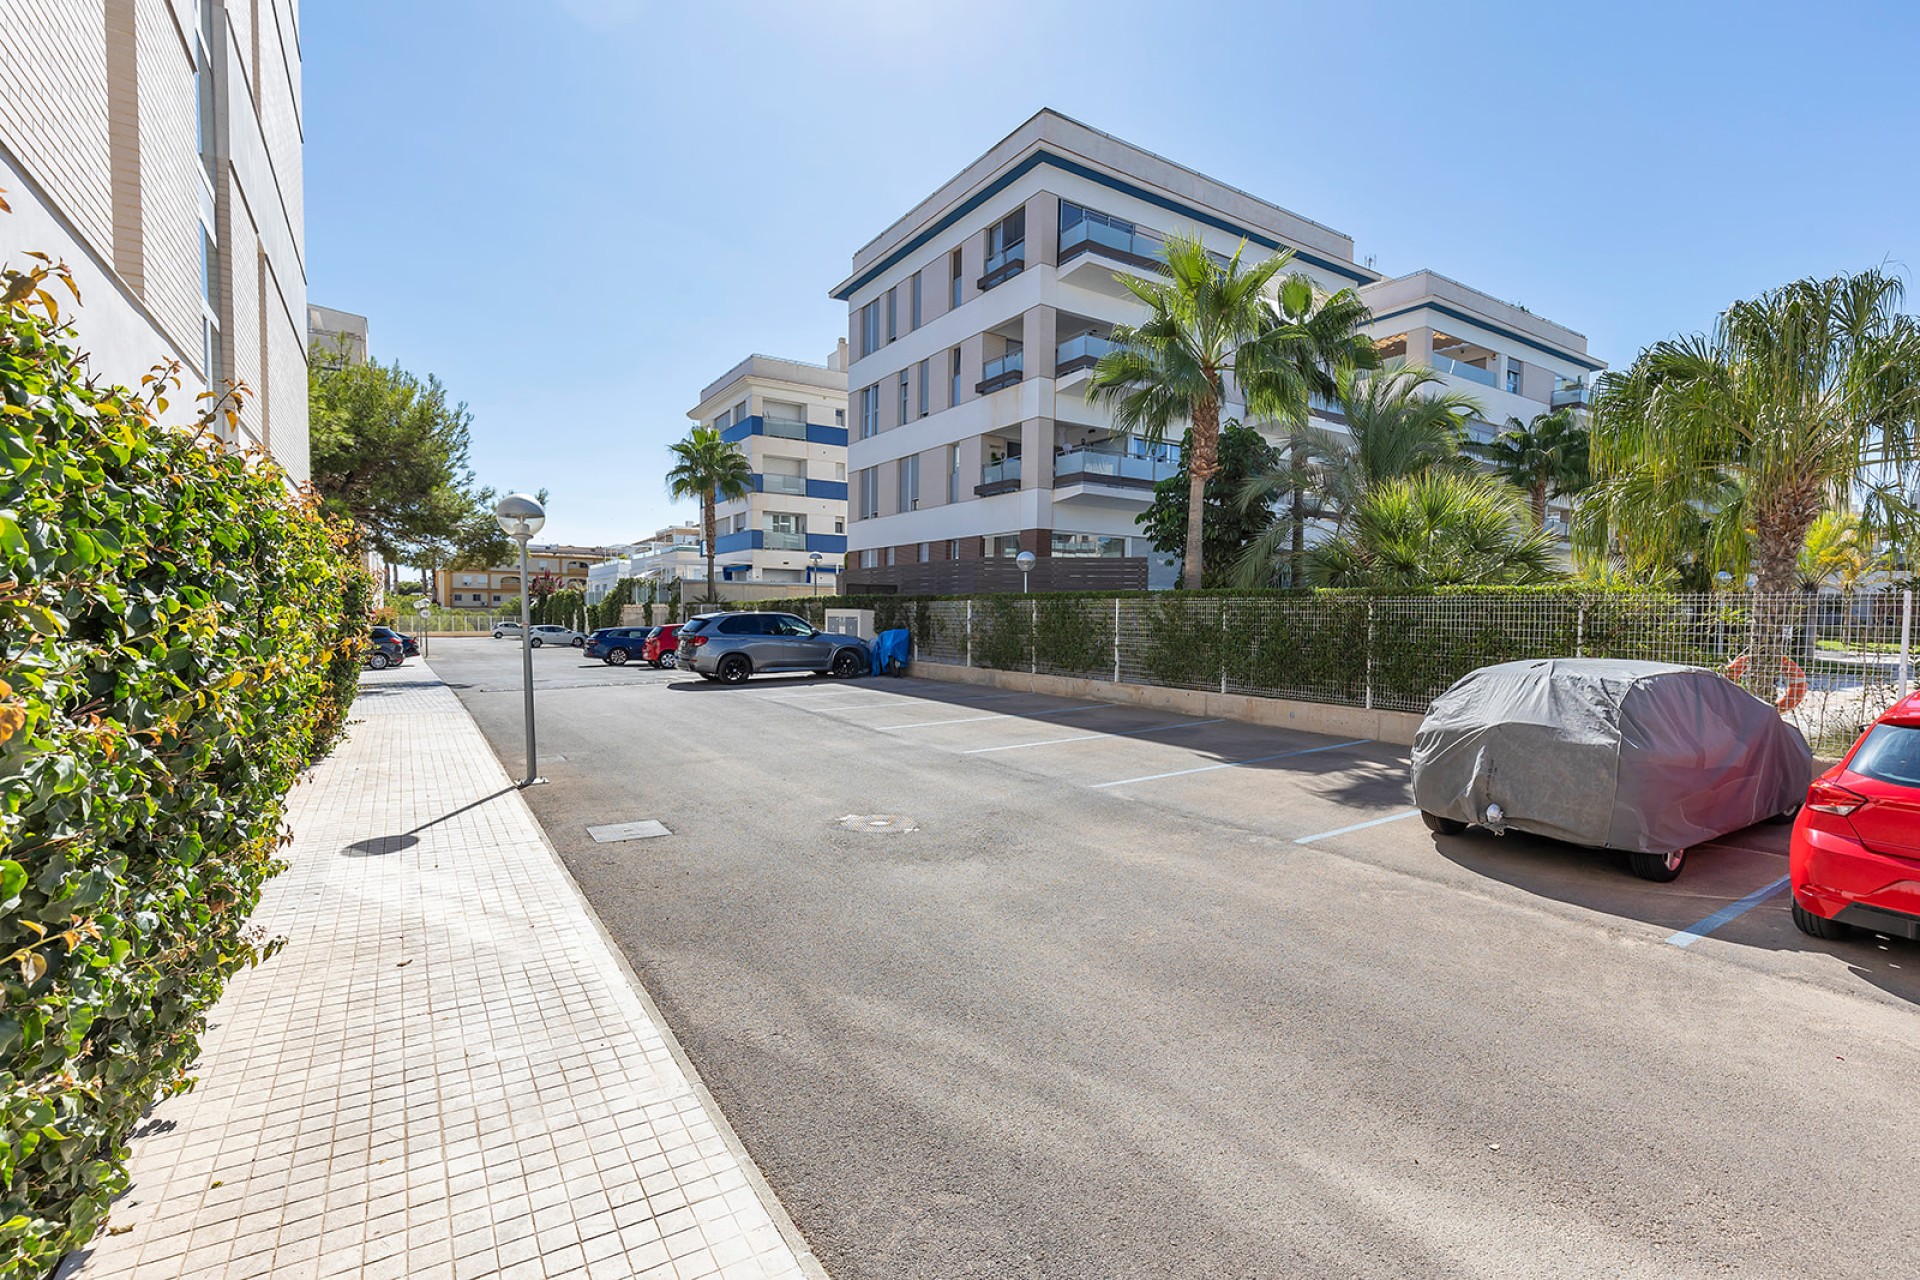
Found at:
<point>1833,662</point>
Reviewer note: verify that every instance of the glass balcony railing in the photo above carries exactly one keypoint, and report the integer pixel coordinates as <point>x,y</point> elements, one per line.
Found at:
<point>785,428</point>
<point>1001,372</point>
<point>783,484</point>
<point>995,472</point>
<point>1460,369</point>
<point>1006,262</point>
<point>1567,393</point>
<point>1081,351</point>
<point>1094,464</point>
<point>783,541</point>
<point>1098,235</point>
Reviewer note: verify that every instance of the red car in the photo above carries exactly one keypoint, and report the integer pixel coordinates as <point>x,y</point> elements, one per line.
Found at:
<point>1856,845</point>
<point>660,645</point>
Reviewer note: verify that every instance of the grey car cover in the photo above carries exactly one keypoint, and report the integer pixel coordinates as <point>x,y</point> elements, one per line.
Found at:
<point>1640,756</point>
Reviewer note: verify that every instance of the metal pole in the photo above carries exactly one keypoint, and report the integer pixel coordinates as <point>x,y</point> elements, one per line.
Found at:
<point>1116,641</point>
<point>526,665</point>
<point>1906,642</point>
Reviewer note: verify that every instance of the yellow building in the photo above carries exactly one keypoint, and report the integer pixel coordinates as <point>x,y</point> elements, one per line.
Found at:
<point>560,568</point>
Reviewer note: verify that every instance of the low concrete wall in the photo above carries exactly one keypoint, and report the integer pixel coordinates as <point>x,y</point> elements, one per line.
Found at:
<point>1397,727</point>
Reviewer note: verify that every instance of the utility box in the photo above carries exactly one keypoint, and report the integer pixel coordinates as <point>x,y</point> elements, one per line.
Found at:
<point>851,622</point>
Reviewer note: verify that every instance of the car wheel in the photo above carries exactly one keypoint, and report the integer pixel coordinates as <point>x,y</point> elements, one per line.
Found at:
<point>578,642</point>
<point>1819,926</point>
<point>733,669</point>
<point>535,642</point>
<point>1660,867</point>
<point>378,662</point>
<point>1442,826</point>
<point>1782,819</point>
<point>847,664</point>
<point>498,634</point>
<point>617,657</point>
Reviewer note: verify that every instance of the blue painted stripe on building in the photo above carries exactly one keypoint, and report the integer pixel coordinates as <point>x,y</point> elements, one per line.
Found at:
<point>1347,269</point>
<point>817,434</point>
<point>728,543</point>
<point>741,430</point>
<point>1585,362</point>
<point>827,543</point>
<point>833,490</point>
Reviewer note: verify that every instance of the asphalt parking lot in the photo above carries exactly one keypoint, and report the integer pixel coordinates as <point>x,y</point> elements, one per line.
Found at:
<point>997,984</point>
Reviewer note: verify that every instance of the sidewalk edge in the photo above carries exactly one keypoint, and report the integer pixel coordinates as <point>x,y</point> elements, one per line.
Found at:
<point>762,1189</point>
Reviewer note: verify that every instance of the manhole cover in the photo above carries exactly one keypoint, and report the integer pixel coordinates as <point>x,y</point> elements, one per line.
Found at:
<point>628,831</point>
<point>879,823</point>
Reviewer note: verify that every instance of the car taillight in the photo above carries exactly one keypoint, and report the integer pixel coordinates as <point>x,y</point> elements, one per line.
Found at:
<point>1828,797</point>
<point>698,641</point>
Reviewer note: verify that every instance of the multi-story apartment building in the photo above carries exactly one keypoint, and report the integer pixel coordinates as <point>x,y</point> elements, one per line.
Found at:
<point>975,320</point>
<point>553,567</point>
<point>790,418</point>
<point>335,338</point>
<point>672,553</point>
<point>155,146</point>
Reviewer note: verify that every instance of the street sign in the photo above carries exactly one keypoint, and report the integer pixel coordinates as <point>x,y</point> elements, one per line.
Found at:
<point>423,608</point>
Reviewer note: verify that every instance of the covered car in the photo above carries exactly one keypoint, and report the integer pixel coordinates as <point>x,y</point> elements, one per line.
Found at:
<point>1644,757</point>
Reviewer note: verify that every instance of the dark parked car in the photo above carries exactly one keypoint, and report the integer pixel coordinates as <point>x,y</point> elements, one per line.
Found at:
<point>615,645</point>
<point>408,644</point>
<point>660,645</point>
<point>1644,757</point>
<point>383,651</point>
<point>730,647</point>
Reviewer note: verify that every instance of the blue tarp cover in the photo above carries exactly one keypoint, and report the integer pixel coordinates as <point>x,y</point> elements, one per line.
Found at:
<point>892,651</point>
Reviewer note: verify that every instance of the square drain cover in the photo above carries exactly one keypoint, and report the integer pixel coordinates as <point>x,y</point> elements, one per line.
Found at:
<point>628,831</point>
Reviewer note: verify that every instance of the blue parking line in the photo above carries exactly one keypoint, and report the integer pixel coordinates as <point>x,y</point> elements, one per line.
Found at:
<point>1732,911</point>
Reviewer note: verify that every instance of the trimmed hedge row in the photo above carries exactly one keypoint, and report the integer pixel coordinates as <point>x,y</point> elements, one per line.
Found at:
<point>182,634</point>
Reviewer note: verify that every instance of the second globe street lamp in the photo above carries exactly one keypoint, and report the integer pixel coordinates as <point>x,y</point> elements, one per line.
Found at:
<point>520,516</point>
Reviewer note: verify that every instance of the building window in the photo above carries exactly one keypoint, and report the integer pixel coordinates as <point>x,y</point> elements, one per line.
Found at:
<point>903,397</point>
<point>926,377</point>
<point>840,472</point>
<point>203,90</point>
<point>839,524</point>
<point>840,418</point>
<point>953,549</point>
<point>870,328</point>
<point>1006,248</point>
<point>953,473</point>
<point>953,295</point>
<point>914,317</point>
<point>953,396</point>
<point>786,522</point>
<point>893,313</point>
<point>910,482</point>
<point>869,485</point>
<point>740,412</point>
<point>1088,544</point>
<point>724,421</point>
<point>869,411</point>
<point>1513,376</point>
<point>869,558</point>
<point>1006,546</point>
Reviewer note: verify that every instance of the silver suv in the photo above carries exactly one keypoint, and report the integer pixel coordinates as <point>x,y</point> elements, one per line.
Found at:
<point>732,646</point>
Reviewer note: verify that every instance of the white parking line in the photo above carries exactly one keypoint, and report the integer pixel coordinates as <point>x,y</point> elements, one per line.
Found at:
<point>1233,764</point>
<point>998,715</point>
<point>1090,737</point>
<point>1358,826</point>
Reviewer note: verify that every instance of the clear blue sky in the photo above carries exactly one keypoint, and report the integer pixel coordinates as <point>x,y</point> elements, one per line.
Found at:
<point>578,212</point>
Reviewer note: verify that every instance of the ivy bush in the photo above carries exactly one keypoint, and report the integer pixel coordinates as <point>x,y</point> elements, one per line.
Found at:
<point>182,633</point>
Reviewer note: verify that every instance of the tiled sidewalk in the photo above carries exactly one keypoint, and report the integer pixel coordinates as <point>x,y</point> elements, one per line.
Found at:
<point>447,1073</point>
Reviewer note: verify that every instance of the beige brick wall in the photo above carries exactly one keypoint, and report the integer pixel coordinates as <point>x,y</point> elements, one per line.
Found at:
<point>53,107</point>
<point>240,316</point>
<point>279,78</point>
<point>286,394</point>
<point>170,181</point>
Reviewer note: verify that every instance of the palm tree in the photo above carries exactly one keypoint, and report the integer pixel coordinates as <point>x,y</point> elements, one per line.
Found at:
<point>1396,427</point>
<point>1547,457</point>
<point>1839,551</point>
<point>1210,329</point>
<point>1797,400</point>
<point>712,470</point>
<point>1438,528</point>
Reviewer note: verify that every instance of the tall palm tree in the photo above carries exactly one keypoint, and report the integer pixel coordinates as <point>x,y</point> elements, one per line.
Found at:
<point>1838,551</point>
<point>1547,457</point>
<point>714,471</point>
<point>1798,399</point>
<point>1438,528</point>
<point>1211,329</point>
<point>1396,426</point>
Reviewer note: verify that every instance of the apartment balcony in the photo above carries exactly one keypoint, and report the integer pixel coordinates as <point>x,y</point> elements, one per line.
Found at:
<point>1003,266</point>
<point>998,477</point>
<point>784,428</point>
<point>1572,393</point>
<point>783,484</point>
<point>1003,372</point>
<point>1101,477</point>
<point>1080,353</point>
<point>1135,248</point>
<point>784,541</point>
<point>1460,369</point>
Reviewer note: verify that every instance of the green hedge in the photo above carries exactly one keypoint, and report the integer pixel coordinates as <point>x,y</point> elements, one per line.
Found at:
<point>182,632</point>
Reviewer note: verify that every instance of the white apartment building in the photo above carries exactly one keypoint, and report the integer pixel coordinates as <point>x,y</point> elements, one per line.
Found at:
<point>155,146</point>
<point>671,553</point>
<point>339,336</point>
<point>790,418</point>
<point>975,320</point>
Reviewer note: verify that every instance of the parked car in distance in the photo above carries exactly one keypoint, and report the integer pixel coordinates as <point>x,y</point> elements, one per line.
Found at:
<point>383,651</point>
<point>1854,861</point>
<point>505,629</point>
<point>615,645</point>
<point>1645,757</point>
<point>408,644</point>
<point>546,633</point>
<point>730,647</point>
<point>660,645</point>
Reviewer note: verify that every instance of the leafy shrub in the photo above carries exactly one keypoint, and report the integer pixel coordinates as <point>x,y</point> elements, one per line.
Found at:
<point>182,632</point>
<point>1073,637</point>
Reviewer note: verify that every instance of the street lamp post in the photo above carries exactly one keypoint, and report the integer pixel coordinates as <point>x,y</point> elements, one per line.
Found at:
<point>520,517</point>
<point>814,557</point>
<point>1025,561</point>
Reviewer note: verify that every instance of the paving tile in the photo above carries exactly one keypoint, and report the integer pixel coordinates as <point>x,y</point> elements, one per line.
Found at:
<point>377,1101</point>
